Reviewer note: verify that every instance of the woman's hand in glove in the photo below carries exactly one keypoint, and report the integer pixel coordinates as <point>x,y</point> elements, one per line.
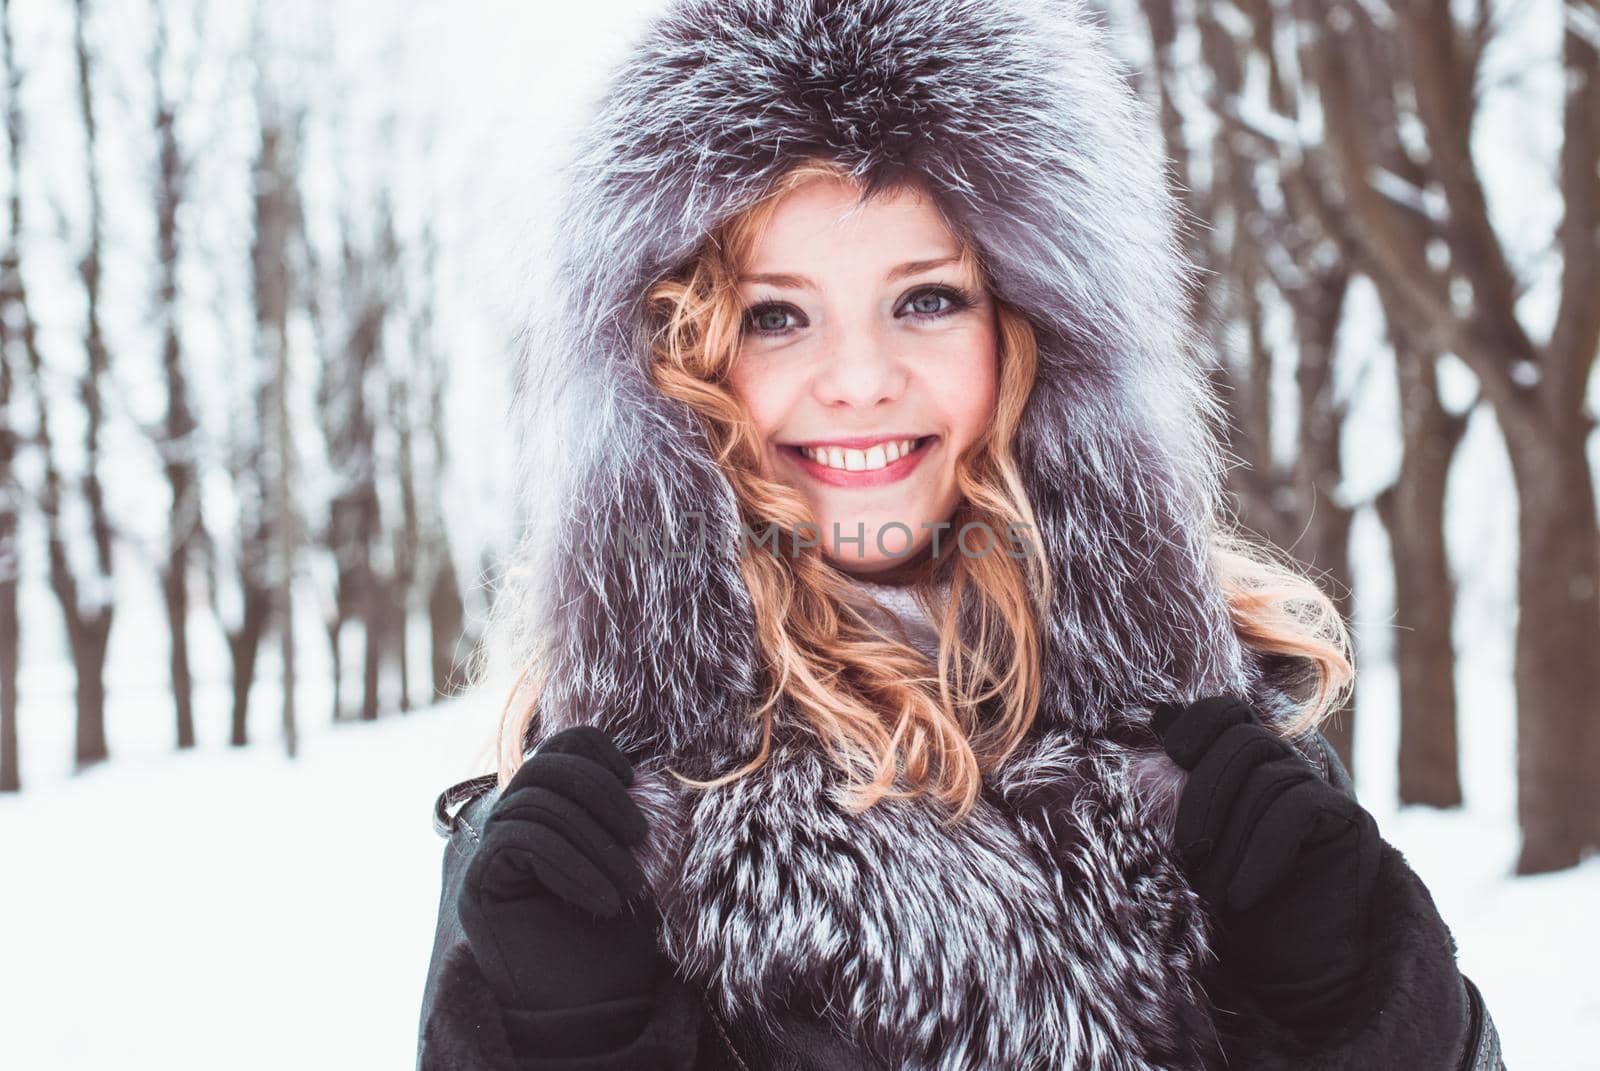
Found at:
<point>1286,861</point>
<point>553,904</point>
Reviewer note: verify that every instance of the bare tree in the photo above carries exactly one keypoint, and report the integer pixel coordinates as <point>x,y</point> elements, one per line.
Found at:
<point>1412,510</point>
<point>446,610</point>
<point>261,461</point>
<point>286,526</point>
<point>86,598</point>
<point>18,344</point>
<point>178,438</point>
<point>351,370</point>
<point>406,539</point>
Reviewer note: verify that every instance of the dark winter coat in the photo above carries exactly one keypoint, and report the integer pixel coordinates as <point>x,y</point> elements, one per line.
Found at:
<point>1054,927</point>
<point>460,1025</point>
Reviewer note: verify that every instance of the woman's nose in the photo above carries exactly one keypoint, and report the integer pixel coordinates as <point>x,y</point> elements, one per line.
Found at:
<point>861,370</point>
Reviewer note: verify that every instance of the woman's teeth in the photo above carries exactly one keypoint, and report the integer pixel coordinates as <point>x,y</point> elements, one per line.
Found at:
<point>877,457</point>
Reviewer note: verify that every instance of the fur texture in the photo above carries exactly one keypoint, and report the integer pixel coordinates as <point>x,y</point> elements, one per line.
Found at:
<point>1052,929</point>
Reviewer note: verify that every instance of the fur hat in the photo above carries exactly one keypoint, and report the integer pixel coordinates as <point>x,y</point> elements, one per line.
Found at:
<point>1014,116</point>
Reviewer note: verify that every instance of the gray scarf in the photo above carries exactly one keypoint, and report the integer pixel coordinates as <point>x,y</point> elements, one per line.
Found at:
<point>897,606</point>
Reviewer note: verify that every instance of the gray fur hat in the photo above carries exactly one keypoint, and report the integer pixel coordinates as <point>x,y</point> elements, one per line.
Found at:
<point>1016,118</point>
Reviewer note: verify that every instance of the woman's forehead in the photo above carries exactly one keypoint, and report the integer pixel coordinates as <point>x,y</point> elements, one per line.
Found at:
<point>813,225</point>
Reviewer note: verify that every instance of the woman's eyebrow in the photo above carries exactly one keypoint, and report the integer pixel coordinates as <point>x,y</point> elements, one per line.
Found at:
<point>801,282</point>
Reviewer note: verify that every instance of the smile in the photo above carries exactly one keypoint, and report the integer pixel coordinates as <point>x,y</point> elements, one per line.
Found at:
<point>883,463</point>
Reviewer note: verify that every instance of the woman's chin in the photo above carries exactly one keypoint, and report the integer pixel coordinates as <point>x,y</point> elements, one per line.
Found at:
<point>879,567</point>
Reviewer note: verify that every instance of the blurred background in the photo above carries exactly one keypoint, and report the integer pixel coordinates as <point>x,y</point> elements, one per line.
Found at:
<point>260,271</point>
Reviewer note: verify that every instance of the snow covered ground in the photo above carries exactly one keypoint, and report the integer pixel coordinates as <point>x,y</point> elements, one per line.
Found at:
<point>227,908</point>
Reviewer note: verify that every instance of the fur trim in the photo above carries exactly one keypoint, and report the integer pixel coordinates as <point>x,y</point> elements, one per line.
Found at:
<point>888,920</point>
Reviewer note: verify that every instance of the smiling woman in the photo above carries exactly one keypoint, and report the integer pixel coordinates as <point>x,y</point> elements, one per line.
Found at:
<point>857,268</point>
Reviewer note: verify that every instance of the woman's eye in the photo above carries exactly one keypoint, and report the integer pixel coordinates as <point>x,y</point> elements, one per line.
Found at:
<point>767,319</point>
<point>925,303</point>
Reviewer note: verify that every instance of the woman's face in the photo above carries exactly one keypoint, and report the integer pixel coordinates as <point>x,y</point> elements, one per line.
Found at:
<point>867,362</point>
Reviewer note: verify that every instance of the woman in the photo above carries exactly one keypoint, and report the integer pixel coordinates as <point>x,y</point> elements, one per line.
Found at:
<point>895,694</point>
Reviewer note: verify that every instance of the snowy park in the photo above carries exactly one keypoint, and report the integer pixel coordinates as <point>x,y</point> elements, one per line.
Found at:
<point>248,877</point>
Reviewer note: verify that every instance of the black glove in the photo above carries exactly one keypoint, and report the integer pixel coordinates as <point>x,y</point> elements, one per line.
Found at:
<point>554,906</point>
<point>1286,861</point>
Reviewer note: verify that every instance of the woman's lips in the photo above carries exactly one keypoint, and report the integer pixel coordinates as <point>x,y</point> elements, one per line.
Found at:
<point>893,472</point>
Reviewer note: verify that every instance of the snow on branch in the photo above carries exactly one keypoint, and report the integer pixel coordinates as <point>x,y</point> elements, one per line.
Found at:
<point>1427,203</point>
<point>1584,23</point>
<point>1273,126</point>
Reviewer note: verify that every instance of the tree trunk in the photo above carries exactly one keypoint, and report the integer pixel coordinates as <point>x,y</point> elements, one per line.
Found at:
<point>407,539</point>
<point>14,325</point>
<point>174,591</point>
<point>1412,510</point>
<point>1558,636</point>
<point>177,441</point>
<point>89,659</point>
<point>10,635</point>
<point>89,627</point>
<point>401,649</point>
<point>335,629</point>
<point>10,764</point>
<point>446,621</point>
<point>373,623</point>
<point>1323,542</point>
<point>285,598</point>
<point>285,526</point>
<point>1326,556</point>
<point>269,535</point>
<point>244,644</point>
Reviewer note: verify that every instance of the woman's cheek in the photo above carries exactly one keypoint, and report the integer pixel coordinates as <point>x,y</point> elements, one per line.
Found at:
<point>967,380</point>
